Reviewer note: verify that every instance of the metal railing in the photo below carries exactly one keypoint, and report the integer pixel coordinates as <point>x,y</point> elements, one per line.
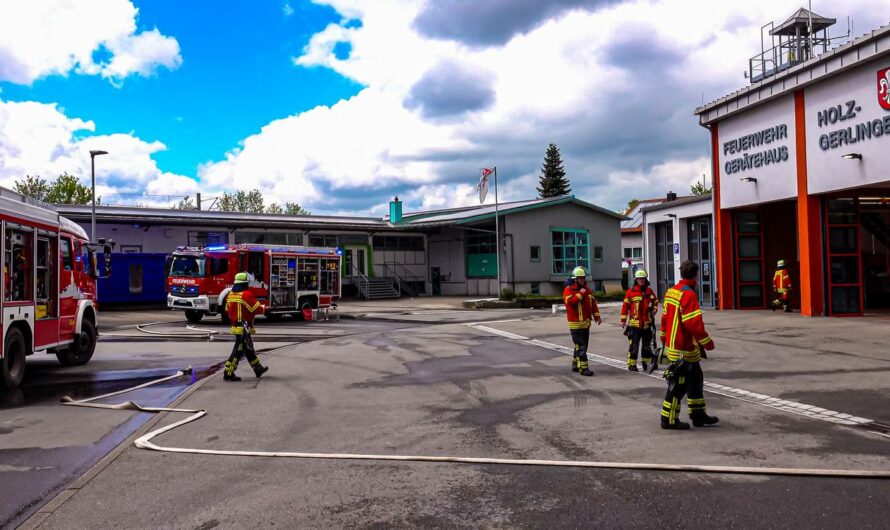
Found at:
<point>403,275</point>
<point>360,281</point>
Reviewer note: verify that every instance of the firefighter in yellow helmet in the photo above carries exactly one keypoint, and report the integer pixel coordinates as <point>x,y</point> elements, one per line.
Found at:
<point>581,308</point>
<point>242,306</point>
<point>637,316</point>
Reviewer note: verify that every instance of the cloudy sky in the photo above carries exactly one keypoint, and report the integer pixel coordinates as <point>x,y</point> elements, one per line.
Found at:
<point>341,104</point>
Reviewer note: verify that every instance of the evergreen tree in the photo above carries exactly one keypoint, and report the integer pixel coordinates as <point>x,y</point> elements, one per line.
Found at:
<point>553,176</point>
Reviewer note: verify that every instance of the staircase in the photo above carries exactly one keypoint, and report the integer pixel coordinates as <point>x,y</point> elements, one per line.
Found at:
<point>376,288</point>
<point>373,288</point>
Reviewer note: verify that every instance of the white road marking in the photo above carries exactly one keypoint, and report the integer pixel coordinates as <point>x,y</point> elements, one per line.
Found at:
<point>793,407</point>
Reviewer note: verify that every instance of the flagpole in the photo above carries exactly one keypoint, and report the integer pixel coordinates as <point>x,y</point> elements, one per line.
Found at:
<point>497,233</point>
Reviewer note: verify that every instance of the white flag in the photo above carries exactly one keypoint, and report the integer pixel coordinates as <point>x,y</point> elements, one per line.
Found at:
<point>482,187</point>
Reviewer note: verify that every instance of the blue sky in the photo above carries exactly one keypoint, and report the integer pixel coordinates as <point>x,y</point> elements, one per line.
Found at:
<point>236,76</point>
<point>341,104</point>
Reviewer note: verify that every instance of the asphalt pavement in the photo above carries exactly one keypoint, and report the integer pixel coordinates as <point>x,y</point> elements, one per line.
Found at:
<point>445,386</point>
<point>44,447</point>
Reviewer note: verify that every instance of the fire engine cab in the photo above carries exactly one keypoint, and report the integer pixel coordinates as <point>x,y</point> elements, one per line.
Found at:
<point>287,279</point>
<point>48,292</point>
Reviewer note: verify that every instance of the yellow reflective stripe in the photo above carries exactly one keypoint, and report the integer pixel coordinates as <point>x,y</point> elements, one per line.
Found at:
<point>706,340</point>
<point>671,301</point>
<point>696,313</point>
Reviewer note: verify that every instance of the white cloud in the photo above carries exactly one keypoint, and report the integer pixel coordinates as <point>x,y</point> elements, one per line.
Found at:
<point>287,9</point>
<point>56,37</point>
<point>39,139</point>
<point>614,88</point>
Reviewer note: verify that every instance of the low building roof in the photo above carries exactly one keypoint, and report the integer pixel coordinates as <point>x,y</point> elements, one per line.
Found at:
<point>679,202</point>
<point>415,220</point>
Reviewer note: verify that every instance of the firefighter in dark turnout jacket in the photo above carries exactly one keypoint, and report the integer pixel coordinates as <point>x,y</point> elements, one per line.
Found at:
<point>581,308</point>
<point>684,336</point>
<point>242,306</point>
<point>637,314</point>
<point>781,288</point>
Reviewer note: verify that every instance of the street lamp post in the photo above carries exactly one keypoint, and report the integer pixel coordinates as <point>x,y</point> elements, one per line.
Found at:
<point>93,155</point>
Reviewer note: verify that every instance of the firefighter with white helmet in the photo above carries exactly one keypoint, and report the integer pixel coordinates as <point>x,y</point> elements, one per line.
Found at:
<point>781,288</point>
<point>581,309</point>
<point>241,307</point>
<point>637,316</point>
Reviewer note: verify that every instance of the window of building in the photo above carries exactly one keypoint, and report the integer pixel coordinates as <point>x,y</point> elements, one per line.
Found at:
<point>409,243</point>
<point>203,239</point>
<point>535,253</point>
<point>135,282</point>
<point>598,287</point>
<point>324,240</point>
<point>633,253</point>
<point>536,288</point>
<point>571,248</point>
<point>269,238</point>
<point>597,253</point>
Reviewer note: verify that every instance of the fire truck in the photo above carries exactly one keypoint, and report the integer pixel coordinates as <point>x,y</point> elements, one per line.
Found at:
<point>48,292</point>
<point>288,279</point>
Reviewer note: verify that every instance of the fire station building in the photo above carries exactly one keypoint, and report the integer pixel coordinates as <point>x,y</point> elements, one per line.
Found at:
<point>801,169</point>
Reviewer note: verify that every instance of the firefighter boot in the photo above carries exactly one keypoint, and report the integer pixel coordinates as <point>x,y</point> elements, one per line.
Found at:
<point>633,368</point>
<point>229,372</point>
<point>584,369</point>
<point>701,419</point>
<point>259,370</point>
<point>676,426</point>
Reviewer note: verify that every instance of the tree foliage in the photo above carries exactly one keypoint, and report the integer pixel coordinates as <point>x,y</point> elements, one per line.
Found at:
<point>292,208</point>
<point>553,181</point>
<point>242,201</point>
<point>698,189</point>
<point>186,204</point>
<point>252,202</point>
<point>631,204</point>
<point>66,189</point>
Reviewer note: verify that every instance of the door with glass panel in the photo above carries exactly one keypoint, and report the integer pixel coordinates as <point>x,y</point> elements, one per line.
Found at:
<point>698,237</point>
<point>844,257</point>
<point>749,260</point>
<point>664,256</point>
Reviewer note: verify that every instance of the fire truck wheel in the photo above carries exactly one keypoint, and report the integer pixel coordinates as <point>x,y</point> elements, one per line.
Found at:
<point>82,350</point>
<point>12,366</point>
<point>193,316</point>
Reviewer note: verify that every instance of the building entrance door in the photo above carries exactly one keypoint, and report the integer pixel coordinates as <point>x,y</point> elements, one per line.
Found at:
<point>698,237</point>
<point>355,260</point>
<point>664,256</point>
<point>874,220</point>
<point>749,262</point>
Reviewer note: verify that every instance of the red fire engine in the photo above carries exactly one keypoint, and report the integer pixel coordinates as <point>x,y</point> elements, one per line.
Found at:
<point>48,293</point>
<point>287,279</point>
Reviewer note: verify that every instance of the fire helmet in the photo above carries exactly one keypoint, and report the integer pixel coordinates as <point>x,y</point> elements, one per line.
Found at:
<point>241,277</point>
<point>579,272</point>
<point>641,274</point>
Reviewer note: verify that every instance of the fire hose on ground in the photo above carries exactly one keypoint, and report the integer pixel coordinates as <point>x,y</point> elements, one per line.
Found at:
<point>145,442</point>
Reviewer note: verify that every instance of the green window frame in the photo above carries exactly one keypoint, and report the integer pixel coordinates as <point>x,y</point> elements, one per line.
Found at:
<point>534,253</point>
<point>571,248</point>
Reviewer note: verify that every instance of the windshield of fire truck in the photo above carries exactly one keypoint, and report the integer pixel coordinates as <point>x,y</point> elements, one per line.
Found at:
<point>188,266</point>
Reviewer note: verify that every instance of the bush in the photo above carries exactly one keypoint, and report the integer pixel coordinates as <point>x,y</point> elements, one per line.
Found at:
<point>508,294</point>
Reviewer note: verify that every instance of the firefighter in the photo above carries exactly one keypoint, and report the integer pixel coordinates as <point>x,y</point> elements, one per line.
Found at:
<point>684,337</point>
<point>781,288</point>
<point>580,309</point>
<point>637,316</point>
<point>242,306</point>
